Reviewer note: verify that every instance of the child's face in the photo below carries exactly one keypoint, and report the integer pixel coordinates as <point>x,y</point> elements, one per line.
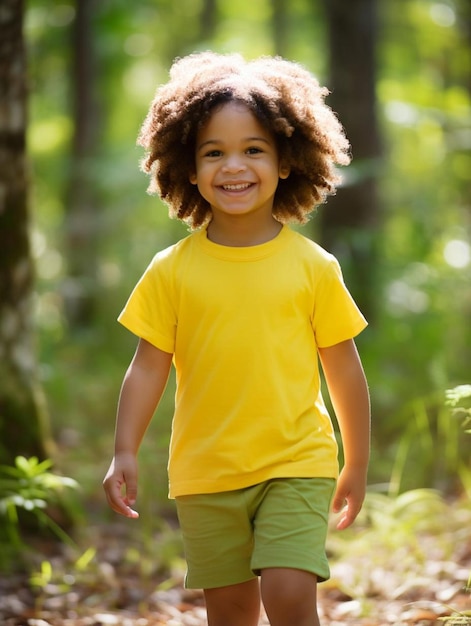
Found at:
<point>237,164</point>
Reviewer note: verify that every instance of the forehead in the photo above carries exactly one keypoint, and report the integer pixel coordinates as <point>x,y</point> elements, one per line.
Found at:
<point>231,119</point>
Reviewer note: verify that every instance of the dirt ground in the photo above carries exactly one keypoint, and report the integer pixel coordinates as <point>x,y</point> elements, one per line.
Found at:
<point>118,582</point>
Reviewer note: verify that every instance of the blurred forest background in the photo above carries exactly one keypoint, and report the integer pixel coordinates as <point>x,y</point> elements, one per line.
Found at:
<point>400,76</point>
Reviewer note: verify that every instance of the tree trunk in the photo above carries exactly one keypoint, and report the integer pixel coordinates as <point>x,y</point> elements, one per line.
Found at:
<point>24,427</point>
<point>82,203</point>
<point>208,20</point>
<point>280,26</point>
<point>349,220</point>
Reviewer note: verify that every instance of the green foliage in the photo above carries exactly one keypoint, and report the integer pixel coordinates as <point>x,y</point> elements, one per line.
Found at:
<point>459,399</point>
<point>28,486</point>
<point>119,559</point>
<point>159,553</point>
<point>52,580</point>
<point>398,522</point>
<point>400,547</point>
<point>427,428</point>
<point>458,618</point>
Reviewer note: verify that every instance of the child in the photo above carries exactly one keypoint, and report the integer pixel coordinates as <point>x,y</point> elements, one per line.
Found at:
<point>244,306</point>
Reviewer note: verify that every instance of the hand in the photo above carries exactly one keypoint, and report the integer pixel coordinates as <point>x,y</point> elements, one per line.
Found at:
<point>122,473</point>
<point>351,488</point>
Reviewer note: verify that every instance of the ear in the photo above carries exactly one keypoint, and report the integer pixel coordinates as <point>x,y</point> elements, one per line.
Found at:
<point>284,171</point>
<point>193,178</point>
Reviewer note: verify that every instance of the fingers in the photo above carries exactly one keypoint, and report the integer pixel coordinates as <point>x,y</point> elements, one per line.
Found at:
<point>347,517</point>
<point>349,504</point>
<point>131,491</point>
<point>116,500</point>
<point>338,502</point>
<point>349,495</point>
<point>114,483</point>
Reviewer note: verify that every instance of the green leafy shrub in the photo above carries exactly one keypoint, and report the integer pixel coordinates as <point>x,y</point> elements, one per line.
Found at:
<point>28,487</point>
<point>459,399</point>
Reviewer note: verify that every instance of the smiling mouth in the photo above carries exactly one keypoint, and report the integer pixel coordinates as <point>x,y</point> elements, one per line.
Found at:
<point>236,187</point>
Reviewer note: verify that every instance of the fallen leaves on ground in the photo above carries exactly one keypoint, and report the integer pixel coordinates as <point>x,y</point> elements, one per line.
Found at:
<point>380,577</point>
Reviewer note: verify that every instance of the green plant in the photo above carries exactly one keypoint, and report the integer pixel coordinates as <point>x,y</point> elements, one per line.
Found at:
<point>459,399</point>
<point>427,425</point>
<point>57,580</point>
<point>28,486</point>
<point>457,618</point>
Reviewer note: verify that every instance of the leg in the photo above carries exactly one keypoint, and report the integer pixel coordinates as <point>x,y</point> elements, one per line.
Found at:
<point>234,605</point>
<point>290,596</point>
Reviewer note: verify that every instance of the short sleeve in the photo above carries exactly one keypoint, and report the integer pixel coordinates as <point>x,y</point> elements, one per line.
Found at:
<point>150,312</point>
<point>336,316</point>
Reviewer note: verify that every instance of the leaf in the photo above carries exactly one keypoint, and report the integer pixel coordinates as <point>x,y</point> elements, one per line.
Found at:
<point>26,466</point>
<point>457,394</point>
<point>82,562</point>
<point>43,577</point>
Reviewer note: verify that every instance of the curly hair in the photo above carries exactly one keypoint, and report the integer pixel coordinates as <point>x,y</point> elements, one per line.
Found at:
<point>284,97</point>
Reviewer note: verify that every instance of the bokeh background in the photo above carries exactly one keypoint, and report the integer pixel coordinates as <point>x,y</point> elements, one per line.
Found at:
<point>399,72</point>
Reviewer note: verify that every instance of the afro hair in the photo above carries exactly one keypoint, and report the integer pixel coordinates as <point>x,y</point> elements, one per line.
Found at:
<point>285,98</point>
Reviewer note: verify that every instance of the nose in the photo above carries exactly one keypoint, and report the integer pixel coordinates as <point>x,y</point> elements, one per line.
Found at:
<point>233,164</point>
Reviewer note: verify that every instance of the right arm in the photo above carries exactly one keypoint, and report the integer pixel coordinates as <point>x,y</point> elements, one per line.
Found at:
<point>143,386</point>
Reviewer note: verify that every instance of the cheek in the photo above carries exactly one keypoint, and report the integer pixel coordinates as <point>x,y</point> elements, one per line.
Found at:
<point>203,174</point>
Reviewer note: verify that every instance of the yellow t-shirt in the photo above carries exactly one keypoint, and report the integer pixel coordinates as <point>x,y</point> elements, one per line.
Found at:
<point>244,325</point>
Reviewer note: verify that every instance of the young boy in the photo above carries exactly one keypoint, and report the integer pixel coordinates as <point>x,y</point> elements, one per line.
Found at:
<point>244,306</point>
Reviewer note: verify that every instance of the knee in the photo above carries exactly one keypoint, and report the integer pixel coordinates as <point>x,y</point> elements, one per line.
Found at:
<point>236,605</point>
<point>289,596</point>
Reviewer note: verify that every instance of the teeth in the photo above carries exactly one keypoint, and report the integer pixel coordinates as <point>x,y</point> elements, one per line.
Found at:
<point>236,187</point>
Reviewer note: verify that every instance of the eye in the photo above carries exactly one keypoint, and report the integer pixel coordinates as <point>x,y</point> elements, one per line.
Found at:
<point>213,153</point>
<point>254,150</point>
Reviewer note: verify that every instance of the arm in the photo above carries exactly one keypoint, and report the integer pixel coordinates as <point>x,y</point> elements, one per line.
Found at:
<point>348,391</point>
<point>143,386</point>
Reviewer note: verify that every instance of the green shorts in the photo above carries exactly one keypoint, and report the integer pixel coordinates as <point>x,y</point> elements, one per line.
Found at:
<point>230,537</point>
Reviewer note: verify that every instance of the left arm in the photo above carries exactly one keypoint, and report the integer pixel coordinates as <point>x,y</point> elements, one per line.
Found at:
<point>348,392</point>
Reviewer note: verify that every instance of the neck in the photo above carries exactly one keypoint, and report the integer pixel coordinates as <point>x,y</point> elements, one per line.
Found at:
<point>235,232</point>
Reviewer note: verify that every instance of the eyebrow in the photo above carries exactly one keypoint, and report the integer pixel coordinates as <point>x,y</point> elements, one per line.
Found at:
<point>220,141</point>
